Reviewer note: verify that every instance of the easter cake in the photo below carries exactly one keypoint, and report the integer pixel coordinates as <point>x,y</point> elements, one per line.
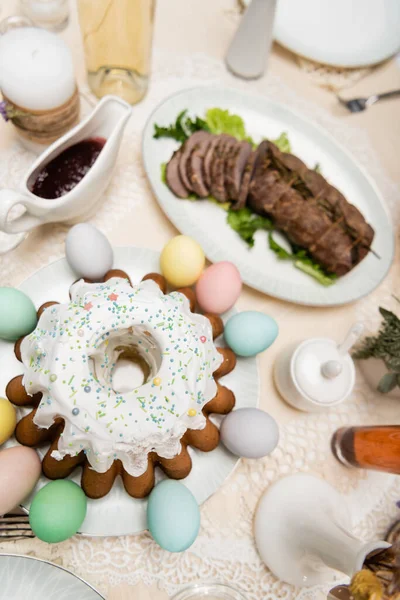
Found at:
<point>69,361</point>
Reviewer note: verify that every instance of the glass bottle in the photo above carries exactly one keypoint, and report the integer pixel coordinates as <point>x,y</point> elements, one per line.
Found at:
<point>374,447</point>
<point>117,38</point>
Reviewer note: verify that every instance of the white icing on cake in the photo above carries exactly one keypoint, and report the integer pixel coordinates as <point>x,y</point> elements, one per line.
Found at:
<point>70,358</point>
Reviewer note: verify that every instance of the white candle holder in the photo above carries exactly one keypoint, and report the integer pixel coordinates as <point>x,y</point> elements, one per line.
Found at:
<point>49,14</point>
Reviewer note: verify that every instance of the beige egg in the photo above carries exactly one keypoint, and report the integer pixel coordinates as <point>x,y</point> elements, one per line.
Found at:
<point>20,470</point>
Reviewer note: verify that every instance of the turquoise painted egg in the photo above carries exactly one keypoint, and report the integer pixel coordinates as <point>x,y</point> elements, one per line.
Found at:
<point>173,516</point>
<point>57,511</point>
<point>17,314</point>
<point>250,332</point>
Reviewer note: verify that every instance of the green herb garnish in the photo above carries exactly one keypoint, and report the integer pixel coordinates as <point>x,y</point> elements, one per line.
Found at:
<point>246,223</point>
<point>302,261</point>
<point>384,346</point>
<point>182,128</point>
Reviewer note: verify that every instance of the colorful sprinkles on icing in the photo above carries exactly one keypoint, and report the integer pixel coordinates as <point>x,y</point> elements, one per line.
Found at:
<point>80,344</point>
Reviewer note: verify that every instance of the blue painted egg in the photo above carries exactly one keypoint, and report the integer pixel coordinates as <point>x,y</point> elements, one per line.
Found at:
<point>173,516</point>
<point>17,314</point>
<point>248,333</point>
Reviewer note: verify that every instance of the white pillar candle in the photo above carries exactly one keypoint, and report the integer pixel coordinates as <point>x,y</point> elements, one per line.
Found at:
<point>51,14</point>
<point>36,69</point>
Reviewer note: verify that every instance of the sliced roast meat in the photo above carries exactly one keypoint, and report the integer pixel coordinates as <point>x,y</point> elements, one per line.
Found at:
<point>195,168</point>
<point>235,166</point>
<point>186,151</point>
<point>245,184</point>
<point>221,153</point>
<point>173,177</point>
<point>208,159</point>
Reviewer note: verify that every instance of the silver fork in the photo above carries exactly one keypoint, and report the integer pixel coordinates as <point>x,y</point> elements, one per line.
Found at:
<point>360,104</point>
<point>15,527</point>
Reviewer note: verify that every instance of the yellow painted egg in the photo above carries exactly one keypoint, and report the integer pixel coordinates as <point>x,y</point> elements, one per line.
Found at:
<point>182,261</point>
<point>8,420</point>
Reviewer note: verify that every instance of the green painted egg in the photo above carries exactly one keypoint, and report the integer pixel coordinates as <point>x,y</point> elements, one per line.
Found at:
<point>17,314</point>
<point>57,511</point>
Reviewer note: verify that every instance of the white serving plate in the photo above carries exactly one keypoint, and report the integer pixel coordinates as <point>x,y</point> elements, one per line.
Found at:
<point>341,33</point>
<point>23,577</point>
<point>206,222</point>
<point>118,513</point>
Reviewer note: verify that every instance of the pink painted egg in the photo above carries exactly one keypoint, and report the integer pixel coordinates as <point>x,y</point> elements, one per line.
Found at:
<point>219,287</point>
<point>20,470</point>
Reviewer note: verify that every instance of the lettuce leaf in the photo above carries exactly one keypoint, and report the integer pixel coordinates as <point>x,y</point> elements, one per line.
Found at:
<point>283,142</point>
<point>302,261</point>
<point>164,173</point>
<point>222,121</point>
<point>246,223</point>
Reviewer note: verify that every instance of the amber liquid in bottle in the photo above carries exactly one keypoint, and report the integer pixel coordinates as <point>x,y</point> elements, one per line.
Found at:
<point>376,447</point>
<point>117,39</point>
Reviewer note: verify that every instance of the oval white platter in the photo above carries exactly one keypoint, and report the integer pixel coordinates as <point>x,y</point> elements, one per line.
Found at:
<point>118,513</point>
<point>206,221</point>
<point>36,579</point>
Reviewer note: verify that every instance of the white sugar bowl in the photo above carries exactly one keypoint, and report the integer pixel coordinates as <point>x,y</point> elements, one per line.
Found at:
<point>317,373</point>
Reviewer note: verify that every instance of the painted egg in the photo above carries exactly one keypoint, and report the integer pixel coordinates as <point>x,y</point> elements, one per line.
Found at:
<point>88,251</point>
<point>57,511</point>
<point>173,516</point>
<point>219,287</point>
<point>250,332</point>
<point>182,261</point>
<point>249,433</point>
<point>8,420</point>
<point>17,314</point>
<point>20,470</point>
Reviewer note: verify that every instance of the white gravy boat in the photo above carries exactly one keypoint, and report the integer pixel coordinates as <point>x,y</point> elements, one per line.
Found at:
<point>108,120</point>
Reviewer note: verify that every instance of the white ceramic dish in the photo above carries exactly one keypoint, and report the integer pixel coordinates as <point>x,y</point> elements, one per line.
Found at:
<point>108,121</point>
<point>118,513</point>
<point>206,222</point>
<point>23,577</point>
<point>310,525</point>
<point>343,33</point>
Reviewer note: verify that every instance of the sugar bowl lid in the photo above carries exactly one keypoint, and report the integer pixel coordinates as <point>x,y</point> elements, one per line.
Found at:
<point>323,370</point>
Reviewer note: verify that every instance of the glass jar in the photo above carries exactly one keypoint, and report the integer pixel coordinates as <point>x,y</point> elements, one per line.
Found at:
<point>370,447</point>
<point>117,38</point>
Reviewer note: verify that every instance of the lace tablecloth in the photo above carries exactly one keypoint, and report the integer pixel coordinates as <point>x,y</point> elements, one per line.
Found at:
<point>224,550</point>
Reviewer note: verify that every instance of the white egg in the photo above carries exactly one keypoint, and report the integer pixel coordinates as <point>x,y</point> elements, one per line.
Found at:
<point>249,433</point>
<point>88,251</point>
